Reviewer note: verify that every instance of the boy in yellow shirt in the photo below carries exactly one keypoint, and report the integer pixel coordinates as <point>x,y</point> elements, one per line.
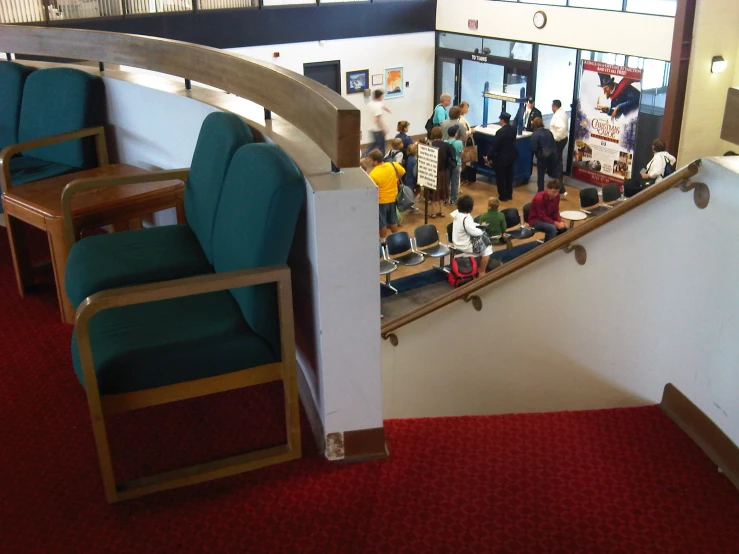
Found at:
<point>386,175</point>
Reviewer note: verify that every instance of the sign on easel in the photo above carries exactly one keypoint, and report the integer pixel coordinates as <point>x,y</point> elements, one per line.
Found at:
<point>428,162</point>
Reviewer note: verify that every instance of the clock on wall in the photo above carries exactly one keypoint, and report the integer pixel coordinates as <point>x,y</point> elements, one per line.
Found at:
<point>540,19</point>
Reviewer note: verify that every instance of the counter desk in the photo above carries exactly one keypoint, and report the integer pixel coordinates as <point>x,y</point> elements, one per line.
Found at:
<point>485,139</point>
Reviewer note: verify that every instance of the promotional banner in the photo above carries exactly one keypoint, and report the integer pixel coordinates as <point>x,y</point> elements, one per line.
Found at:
<point>605,123</point>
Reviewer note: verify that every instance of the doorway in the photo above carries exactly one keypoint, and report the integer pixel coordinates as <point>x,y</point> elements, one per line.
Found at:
<point>326,73</point>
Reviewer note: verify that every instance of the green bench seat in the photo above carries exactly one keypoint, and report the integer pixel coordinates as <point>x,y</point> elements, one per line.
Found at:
<point>156,254</point>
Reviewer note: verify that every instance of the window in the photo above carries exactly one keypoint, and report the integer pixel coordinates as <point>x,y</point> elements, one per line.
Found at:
<point>546,2</point>
<point>615,5</point>
<point>655,7</point>
<point>460,42</point>
<point>507,49</point>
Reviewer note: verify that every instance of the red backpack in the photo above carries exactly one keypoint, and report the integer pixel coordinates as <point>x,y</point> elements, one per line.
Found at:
<point>463,271</point>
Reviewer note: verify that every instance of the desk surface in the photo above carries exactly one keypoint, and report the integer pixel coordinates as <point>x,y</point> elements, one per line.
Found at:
<point>45,197</point>
<point>492,128</point>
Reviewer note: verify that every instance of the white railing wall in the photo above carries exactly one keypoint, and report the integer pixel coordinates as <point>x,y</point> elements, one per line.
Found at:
<point>656,302</point>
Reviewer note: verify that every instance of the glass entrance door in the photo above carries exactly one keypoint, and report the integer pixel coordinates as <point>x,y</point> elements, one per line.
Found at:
<point>447,78</point>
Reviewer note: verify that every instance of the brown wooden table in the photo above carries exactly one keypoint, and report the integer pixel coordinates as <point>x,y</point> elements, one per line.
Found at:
<point>39,204</point>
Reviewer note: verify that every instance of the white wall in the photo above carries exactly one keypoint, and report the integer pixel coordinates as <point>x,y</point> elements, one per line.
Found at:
<point>656,302</point>
<point>413,52</point>
<point>714,34</point>
<point>605,31</point>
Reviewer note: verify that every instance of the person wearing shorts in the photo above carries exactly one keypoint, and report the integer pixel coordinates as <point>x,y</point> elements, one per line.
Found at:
<point>386,176</point>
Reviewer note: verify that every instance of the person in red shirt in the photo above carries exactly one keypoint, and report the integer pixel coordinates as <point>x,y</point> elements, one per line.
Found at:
<point>544,212</point>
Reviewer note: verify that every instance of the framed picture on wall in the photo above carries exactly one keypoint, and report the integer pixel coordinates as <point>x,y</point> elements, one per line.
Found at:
<point>357,81</point>
<point>394,82</point>
<point>377,79</point>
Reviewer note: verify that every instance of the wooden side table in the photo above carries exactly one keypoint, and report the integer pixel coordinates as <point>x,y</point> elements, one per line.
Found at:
<point>39,204</point>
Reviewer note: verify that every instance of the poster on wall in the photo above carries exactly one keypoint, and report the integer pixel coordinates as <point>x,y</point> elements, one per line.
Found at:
<point>606,122</point>
<point>394,82</point>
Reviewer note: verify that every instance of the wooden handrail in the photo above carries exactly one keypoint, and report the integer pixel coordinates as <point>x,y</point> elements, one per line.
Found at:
<point>545,249</point>
<point>327,118</point>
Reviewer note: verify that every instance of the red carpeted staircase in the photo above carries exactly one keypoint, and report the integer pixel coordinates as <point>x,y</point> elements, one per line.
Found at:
<point>623,480</point>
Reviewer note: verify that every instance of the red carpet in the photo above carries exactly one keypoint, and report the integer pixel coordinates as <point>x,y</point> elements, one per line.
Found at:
<point>604,481</point>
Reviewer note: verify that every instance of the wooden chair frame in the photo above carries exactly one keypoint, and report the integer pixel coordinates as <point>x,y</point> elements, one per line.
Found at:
<point>101,149</point>
<point>78,185</point>
<point>100,406</point>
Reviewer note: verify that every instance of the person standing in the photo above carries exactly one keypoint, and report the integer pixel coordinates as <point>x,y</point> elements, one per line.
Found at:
<point>560,128</point>
<point>529,113</point>
<point>545,149</point>
<point>445,163</point>
<point>378,129</point>
<point>455,114</point>
<point>440,114</point>
<point>456,143</point>
<point>503,156</point>
<point>386,176</point>
<point>465,107</point>
<point>544,214</point>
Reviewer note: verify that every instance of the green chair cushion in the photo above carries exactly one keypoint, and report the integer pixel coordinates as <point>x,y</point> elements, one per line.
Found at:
<point>27,170</point>
<point>261,200</point>
<point>102,262</point>
<point>171,341</point>
<point>12,78</point>
<point>220,136</point>
<point>58,100</point>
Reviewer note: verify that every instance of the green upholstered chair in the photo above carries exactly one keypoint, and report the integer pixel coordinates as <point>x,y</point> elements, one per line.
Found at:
<point>60,127</point>
<point>12,79</point>
<point>149,344</point>
<point>103,262</point>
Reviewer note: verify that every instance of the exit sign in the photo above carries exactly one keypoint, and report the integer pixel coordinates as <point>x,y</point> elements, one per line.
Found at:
<point>472,24</point>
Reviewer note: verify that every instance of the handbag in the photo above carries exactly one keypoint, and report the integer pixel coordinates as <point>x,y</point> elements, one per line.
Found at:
<point>480,243</point>
<point>405,199</point>
<point>469,155</point>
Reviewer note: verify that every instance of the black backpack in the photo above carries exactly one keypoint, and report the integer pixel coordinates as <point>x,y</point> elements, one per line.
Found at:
<point>430,123</point>
<point>669,169</point>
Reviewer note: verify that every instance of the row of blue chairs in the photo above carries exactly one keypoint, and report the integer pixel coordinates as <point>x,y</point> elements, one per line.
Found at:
<point>401,249</point>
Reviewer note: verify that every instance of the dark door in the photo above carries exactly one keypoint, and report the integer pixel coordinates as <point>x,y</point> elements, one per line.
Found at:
<point>447,78</point>
<point>326,73</point>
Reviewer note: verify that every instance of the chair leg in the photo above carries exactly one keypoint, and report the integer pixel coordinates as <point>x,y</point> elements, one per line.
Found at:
<point>388,285</point>
<point>19,253</point>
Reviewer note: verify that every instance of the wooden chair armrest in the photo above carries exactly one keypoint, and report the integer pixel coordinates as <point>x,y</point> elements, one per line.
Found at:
<point>99,182</point>
<point>189,286</point>
<point>9,151</point>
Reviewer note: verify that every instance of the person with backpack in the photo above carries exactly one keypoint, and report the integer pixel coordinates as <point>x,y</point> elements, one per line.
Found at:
<point>544,147</point>
<point>396,151</point>
<point>446,162</point>
<point>410,179</point>
<point>469,239</point>
<point>661,165</point>
<point>440,115</point>
<point>386,176</point>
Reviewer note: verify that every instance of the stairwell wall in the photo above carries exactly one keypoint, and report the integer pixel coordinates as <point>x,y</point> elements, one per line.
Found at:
<point>656,302</point>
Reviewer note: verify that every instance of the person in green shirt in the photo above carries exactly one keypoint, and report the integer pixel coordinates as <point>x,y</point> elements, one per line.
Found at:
<point>496,224</point>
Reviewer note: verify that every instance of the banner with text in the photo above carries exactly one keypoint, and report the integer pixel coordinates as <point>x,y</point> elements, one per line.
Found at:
<point>606,121</point>
<point>428,161</point>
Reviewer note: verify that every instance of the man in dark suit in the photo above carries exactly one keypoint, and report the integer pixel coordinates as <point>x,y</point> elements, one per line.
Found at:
<point>528,112</point>
<point>624,96</point>
<point>504,155</point>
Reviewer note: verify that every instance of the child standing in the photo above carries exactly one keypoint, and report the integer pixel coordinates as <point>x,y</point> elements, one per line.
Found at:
<point>396,151</point>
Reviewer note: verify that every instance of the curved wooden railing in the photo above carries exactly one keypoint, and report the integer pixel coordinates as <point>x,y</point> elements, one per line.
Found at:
<point>467,292</point>
<point>327,118</point>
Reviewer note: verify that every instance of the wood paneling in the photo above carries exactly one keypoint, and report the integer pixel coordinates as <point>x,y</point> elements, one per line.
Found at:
<point>325,117</point>
<point>730,127</point>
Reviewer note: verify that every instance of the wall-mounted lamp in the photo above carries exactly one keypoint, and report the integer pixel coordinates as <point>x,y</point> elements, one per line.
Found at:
<point>718,64</point>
